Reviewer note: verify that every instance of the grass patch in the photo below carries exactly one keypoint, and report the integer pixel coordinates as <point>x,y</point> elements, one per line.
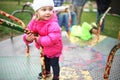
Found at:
<point>10,7</point>
<point>111,29</point>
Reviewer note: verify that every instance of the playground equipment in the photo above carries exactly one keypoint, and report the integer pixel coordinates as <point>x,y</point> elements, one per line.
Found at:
<point>110,60</point>
<point>23,10</point>
<point>21,28</point>
<point>101,21</point>
<point>82,33</point>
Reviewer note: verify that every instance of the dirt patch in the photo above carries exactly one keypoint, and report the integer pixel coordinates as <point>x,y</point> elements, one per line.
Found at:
<point>4,37</point>
<point>7,37</point>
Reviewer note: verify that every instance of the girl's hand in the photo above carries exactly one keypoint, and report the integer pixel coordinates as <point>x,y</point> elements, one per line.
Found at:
<point>30,37</point>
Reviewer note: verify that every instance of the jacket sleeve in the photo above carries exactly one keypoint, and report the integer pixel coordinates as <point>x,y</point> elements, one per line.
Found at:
<point>24,39</point>
<point>31,23</point>
<point>53,36</point>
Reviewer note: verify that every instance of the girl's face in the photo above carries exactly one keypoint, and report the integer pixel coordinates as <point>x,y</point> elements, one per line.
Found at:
<point>45,13</point>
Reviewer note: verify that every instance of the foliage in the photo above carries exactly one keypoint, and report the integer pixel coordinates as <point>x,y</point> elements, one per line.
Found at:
<point>112,25</point>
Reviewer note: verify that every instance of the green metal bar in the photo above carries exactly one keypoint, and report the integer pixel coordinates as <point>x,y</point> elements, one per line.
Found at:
<point>11,25</point>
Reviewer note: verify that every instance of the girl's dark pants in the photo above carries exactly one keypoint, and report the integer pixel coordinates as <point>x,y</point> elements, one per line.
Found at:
<point>54,62</point>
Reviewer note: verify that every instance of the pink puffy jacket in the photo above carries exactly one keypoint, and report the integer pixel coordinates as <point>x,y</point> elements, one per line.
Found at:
<point>50,36</point>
